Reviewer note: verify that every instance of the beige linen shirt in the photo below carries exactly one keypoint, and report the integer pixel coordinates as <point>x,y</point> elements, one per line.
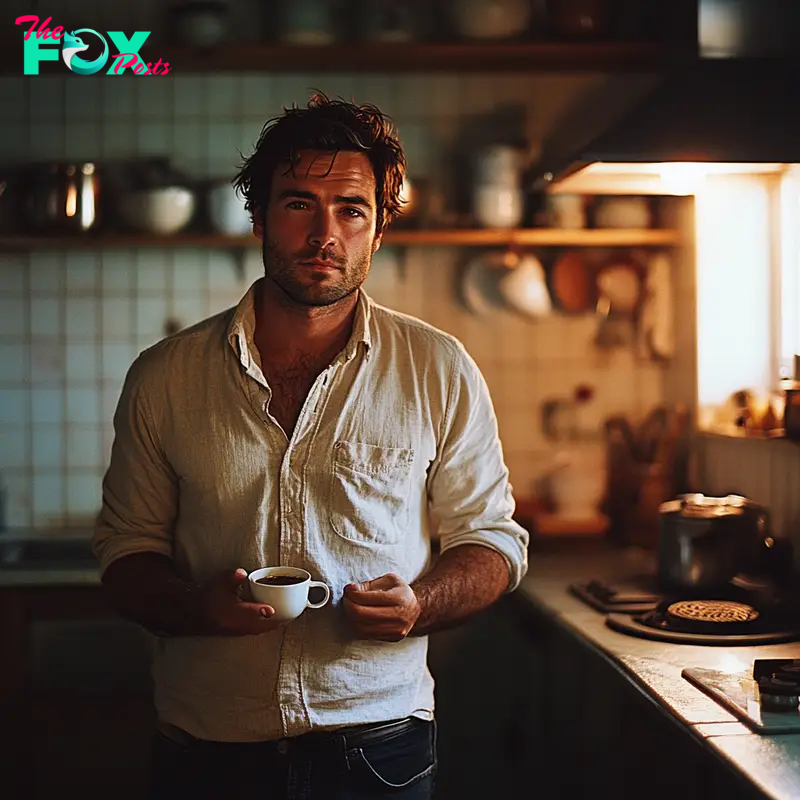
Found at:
<point>397,431</point>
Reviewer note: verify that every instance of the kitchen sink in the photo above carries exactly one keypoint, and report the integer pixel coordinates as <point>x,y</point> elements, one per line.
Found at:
<point>46,552</point>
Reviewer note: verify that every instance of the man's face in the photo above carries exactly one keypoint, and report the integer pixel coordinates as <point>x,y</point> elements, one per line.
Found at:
<point>319,237</point>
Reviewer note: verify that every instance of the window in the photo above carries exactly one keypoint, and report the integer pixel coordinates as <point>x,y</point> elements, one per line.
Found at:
<point>748,284</point>
<point>734,286</point>
<point>787,286</point>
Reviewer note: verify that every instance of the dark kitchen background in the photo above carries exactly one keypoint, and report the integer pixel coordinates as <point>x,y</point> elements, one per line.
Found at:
<point>581,308</point>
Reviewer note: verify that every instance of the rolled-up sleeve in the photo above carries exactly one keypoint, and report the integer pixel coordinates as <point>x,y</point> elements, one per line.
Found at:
<point>468,483</point>
<point>140,487</point>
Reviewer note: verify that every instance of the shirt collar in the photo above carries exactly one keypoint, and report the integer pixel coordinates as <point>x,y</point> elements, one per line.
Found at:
<point>361,326</point>
<point>242,327</point>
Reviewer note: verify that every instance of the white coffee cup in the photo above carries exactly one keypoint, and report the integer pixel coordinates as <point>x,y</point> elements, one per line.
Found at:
<point>288,600</point>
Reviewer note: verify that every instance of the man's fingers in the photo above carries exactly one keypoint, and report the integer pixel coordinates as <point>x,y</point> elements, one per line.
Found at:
<point>357,611</point>
<point>231,579</point>
<point>383,591</point>
<point>262,609</point>
<point>383,609</point>
<point>382,584</point>
<point>249,619</point>
<point>390,598</point>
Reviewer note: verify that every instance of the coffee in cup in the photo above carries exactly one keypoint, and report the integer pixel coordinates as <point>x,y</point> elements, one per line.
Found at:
<point>286,590</point>
<point>280,580</point>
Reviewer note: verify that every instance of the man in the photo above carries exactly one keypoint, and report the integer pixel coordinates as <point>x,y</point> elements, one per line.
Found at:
<point>307,427</point>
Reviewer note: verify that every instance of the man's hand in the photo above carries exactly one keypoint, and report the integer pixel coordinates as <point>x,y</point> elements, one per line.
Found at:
<point>385,608</point>
<point>227,613</point>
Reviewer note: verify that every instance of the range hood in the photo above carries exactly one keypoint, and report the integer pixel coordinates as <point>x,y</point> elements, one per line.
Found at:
<point>725,110</point>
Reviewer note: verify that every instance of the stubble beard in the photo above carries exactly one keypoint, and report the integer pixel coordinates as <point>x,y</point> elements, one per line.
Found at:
<point>284,273</point>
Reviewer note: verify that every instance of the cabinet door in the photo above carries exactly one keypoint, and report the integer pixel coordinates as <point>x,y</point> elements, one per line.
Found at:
<point>612,738</point>
<point>75,695</point>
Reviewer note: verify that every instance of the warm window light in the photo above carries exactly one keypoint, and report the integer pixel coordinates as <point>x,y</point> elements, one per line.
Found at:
<point>682,178</point>
<point>661,178</point>
<point>733,286</point>
<point>789,287</point>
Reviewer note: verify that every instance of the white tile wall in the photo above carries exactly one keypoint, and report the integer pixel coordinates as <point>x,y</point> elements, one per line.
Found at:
<point>72,322</point>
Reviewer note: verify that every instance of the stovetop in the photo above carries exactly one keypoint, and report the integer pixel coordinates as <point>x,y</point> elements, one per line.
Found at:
<point>741,613</point>
<point>714,622</point>
<point>634,595</point>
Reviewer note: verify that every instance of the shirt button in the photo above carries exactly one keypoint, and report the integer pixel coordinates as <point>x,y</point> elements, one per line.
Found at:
<point>283,747</point>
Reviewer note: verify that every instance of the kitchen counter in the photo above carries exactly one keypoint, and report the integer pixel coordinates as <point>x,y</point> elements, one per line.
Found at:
<point>20,567</point>
<point>49,577</point>
<point>772,763</point>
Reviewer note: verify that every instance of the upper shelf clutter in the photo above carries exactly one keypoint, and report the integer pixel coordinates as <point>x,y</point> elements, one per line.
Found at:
<point>414,35</point>
<point>369,36</point>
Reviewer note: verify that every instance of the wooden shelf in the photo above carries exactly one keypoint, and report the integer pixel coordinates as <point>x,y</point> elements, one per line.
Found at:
<point>417,57</point>
<point>536,237</point>
<point>532,237</point>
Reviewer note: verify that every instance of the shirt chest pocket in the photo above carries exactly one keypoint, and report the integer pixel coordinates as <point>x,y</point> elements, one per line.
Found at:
<point>370,492</point>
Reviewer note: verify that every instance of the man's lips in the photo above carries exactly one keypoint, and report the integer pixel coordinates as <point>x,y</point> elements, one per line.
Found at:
<point>319,264</point>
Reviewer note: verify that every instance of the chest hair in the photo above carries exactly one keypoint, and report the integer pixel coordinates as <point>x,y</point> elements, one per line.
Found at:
<point>290,383</point>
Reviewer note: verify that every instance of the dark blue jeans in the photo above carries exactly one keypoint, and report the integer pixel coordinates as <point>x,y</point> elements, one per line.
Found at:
<point>364,763</point>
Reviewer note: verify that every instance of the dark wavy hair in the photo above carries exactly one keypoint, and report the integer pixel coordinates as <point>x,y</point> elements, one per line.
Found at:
<point>329,126</point>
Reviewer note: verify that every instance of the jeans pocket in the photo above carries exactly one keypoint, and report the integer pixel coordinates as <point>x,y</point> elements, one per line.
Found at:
<point>397,763</point>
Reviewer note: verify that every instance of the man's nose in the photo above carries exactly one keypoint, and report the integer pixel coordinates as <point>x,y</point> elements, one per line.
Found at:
<point>322,233</point>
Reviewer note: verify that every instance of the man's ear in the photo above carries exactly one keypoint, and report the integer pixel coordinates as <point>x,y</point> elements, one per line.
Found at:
<point>378,240</point>
<point>258,223</point>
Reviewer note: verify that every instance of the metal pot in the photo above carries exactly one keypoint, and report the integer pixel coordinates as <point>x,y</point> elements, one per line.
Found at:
<point>61,197</point>
<point>704,542</point>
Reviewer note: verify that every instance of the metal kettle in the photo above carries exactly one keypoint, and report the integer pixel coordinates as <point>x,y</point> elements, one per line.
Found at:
<point>704,541</point>
<point>61,197</point>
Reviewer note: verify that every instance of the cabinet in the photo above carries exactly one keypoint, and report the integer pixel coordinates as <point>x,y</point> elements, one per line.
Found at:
<point>528,709</point>
<point>74,695</point>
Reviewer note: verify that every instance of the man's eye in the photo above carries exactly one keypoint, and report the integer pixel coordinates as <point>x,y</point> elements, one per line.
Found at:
<point>297,205</point>
<point>353,212</point>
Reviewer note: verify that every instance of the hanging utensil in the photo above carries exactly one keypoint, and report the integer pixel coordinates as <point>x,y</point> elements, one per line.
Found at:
<point>524,287</point>
<point>571,283</point>
<point>650,434</point>
<point>619,293</point>
<point>622,480</point>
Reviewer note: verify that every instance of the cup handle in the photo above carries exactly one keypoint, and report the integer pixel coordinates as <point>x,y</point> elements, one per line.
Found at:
<point>322,602</point>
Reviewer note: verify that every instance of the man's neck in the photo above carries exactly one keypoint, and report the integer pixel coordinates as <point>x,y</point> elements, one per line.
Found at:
<point>285,330</point>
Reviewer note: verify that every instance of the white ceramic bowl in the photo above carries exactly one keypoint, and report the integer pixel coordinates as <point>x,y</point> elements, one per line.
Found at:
<point>622,212</point>
<point>163,211</point>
